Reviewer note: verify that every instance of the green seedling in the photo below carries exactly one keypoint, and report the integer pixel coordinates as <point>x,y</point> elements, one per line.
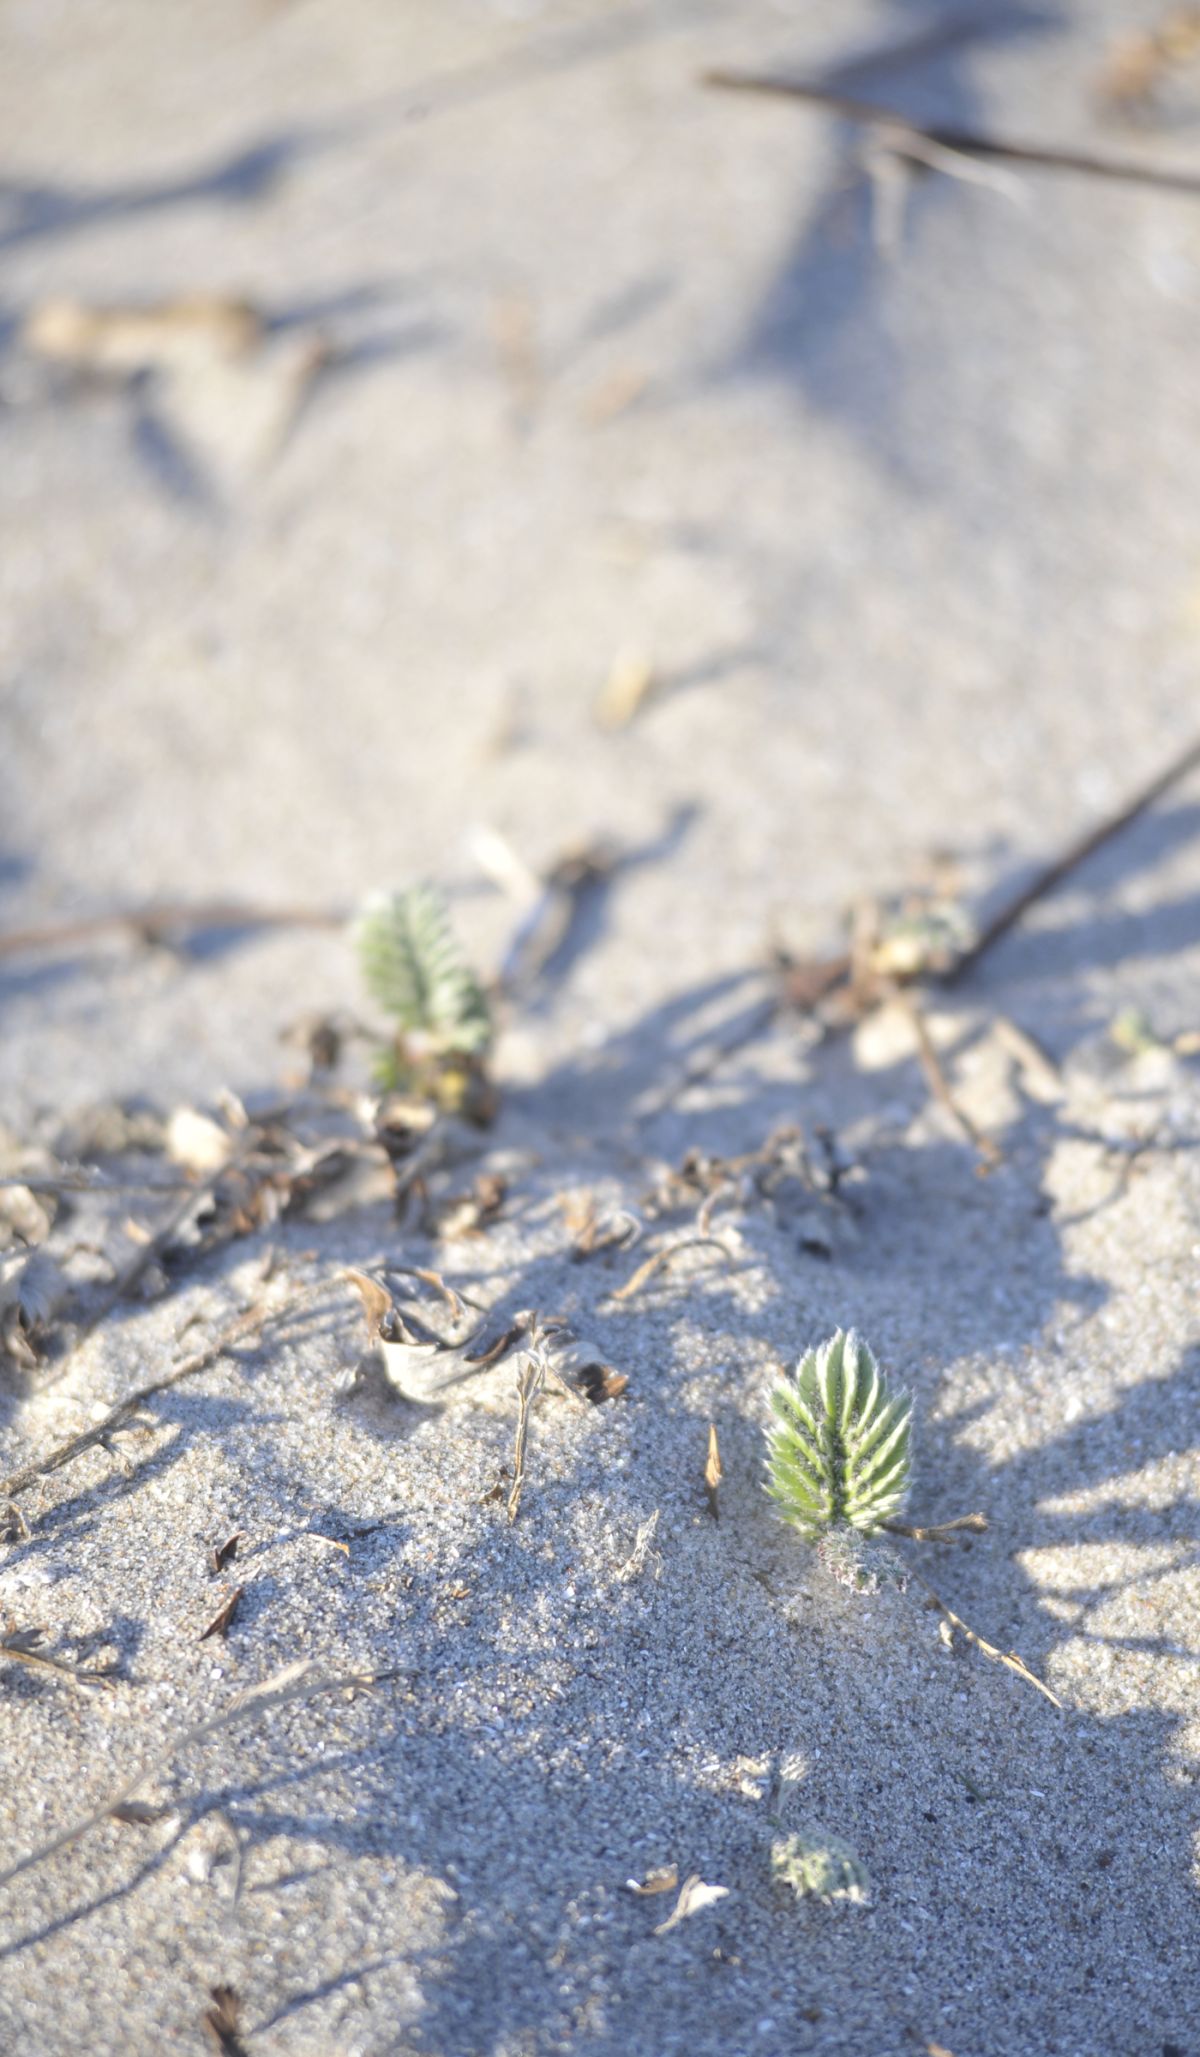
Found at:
<point>818,1866</point>
<point>415,970</point>
<point>839,1458</point>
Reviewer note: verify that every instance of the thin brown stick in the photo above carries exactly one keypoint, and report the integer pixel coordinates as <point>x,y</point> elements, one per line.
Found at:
<point>966,142</point>
<point>23,1646</point>
<point>237,1331</point>
<point>653,1264</point>
<point>157,924</point>
<point>938,1083</point>
<point>1008,1657</point>
<point>281,1689</point>
<point>529,1382</point>
<point>940,1531</point>
<point>1072,857</point>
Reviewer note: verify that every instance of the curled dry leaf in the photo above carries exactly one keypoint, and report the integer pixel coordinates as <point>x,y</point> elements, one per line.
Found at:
<point>694,1895</point>
<point>221,2021</point>
<point>662,1879</point>
<point>224,1553</point>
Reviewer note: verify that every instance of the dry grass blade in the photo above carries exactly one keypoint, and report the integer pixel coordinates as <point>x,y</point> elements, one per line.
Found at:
<point>224,1615</point>
<point>712,1472</point>
<point>282,1689</point>
<point>939,1531</point>
<point>645,1272</point>
<point>1008,1657</point>
<point>247,1324</point>
<point>939,1084</point>
<point>168,922</point>
<point>23,1646</point>
<point>963,142</point>
<point>530,1379</point>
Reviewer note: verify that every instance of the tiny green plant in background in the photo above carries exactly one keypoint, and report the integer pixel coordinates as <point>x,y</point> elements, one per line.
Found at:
<point>839,1458</point>
<point>819,1866</point>
<point>415,970</point>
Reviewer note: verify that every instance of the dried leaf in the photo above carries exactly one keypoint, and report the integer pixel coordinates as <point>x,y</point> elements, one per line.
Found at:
<point>221,2021</point>
<point>662,1879</point>
<point>376,1300</point>
<point>224,1553</point>
<point>693,1897</point>
<point>223,1616</point>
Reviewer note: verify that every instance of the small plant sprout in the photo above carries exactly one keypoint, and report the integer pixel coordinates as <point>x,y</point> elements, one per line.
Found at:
<point>839,1459</point>
<point>413,967</point>
<point>819,1866</point>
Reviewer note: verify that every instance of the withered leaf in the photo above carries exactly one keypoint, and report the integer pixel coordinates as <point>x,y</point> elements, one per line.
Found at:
<point>600,1382</point>
<point>224,1615</point>
<point>224,1553</point>
<point>662,1879</point>
<point>468,1214</point>
<point>693,1895</point>
<point>376,1300</point>
<point>221,2021</point>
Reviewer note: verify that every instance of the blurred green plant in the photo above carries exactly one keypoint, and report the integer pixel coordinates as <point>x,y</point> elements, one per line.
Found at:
<point>414,968</point>
<point>839,1458</point>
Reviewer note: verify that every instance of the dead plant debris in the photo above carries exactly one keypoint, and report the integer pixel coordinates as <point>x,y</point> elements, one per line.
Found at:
<point>219,1625</point>
<point>24,1646</point>
<point>222,2020</point>
<point>224,1553</point>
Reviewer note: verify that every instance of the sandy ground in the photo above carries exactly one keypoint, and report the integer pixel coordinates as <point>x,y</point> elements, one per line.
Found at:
<point>613,374</point>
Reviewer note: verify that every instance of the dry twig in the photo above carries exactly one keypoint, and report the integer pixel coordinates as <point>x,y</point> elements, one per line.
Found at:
<point>911,137</point>
<point>662,1257</point>
<point>245,1325</point>
<point>1008,1657</point>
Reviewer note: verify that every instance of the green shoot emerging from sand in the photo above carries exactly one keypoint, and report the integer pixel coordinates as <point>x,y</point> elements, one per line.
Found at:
<point>838,1458</point>
<point>413,967</point>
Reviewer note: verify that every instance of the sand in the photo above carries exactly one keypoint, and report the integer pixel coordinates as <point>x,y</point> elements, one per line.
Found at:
<point>910,547</point>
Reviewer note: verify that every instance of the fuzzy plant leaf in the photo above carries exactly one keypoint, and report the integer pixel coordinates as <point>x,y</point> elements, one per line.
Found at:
<point>413,967</point>
<point>819,1866</point>
<point>839,1452</point>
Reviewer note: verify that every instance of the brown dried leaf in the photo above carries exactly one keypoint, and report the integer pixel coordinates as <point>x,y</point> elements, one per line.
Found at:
<point>223,1616</point>
<point>224,1553</point>
<point>221,2022</point>
<point>376,1300</point>
<point>663,1879</point>
<point>693,1896</point>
